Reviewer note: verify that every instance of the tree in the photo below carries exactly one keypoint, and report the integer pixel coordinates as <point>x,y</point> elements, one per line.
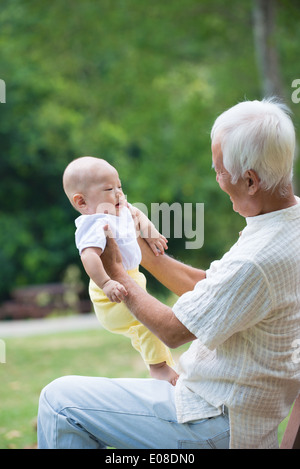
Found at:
<point>265,46</point>
<point>137,83</point>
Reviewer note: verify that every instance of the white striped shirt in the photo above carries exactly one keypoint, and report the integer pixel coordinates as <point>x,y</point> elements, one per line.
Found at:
<point>246,317</point>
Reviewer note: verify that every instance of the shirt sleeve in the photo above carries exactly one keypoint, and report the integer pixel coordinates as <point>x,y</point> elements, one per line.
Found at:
<point>229,300</point>
<point>90,234</point>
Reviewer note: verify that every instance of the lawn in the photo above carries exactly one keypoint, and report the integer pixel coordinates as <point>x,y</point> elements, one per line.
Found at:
<point>33,362</point>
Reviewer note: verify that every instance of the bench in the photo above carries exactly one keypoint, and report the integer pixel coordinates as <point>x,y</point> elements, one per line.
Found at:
<point>39,301</point>
<point>291,437</point>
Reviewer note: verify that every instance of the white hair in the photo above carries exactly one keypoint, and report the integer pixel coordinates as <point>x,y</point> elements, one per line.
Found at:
<point>257,135</point>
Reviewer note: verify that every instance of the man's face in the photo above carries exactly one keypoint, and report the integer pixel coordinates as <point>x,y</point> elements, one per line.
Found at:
<point>238,193</point>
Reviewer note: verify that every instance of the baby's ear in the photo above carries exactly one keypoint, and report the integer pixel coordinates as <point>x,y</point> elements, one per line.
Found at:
<point>79,202</point>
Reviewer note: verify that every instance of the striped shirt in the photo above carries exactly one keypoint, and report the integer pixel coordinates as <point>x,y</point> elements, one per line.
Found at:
<point>246,317</point>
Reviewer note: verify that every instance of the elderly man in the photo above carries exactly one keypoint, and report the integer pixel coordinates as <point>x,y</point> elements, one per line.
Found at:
<point>238,378</point>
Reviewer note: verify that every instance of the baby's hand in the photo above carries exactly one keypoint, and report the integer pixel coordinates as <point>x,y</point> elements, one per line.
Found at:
<point>146,229</point>
<point>114,291</point>
<point>158,243</point>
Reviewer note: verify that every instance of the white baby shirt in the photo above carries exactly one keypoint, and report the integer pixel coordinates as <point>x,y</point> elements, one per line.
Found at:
<point>90,233</point>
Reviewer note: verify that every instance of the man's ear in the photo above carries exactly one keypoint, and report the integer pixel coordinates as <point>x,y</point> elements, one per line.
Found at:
<point>253,181</point>
<point>79,202</point>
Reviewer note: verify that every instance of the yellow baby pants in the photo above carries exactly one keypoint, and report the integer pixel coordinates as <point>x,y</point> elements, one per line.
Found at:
<point>117,318</point>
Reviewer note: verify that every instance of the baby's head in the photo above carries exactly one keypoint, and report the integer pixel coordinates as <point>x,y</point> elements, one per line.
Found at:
<point>93,186</point>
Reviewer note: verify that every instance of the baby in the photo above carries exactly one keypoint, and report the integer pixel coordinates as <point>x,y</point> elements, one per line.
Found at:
<point>94,189</point>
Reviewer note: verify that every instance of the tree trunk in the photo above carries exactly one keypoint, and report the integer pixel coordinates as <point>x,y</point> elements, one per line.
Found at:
<point>265,46</point>
<point>267,58</point>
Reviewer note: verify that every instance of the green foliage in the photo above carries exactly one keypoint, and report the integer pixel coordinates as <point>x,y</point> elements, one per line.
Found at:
<point>137,83</point>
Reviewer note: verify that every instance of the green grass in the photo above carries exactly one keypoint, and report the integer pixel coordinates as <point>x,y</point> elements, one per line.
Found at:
<point>33,362</point>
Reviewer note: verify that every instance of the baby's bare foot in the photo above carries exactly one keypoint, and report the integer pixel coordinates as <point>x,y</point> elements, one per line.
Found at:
<point>164,372</point>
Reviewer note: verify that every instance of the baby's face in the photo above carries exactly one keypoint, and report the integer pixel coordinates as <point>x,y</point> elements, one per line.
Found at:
<point>104,194</point>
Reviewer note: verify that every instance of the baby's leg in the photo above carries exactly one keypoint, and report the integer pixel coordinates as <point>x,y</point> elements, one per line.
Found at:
<point>117,318</point>
<point>164,372</point>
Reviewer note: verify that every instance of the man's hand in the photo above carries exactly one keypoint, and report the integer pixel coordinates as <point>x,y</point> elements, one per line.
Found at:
<point>158,317</point>
<point>111,256</point>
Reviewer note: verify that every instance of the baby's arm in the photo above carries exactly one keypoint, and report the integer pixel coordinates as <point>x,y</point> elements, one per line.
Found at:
<point>156,241</point>
<point>92,263</point>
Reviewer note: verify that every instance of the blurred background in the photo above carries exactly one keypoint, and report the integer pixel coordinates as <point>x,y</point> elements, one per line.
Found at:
<point>140,84</point>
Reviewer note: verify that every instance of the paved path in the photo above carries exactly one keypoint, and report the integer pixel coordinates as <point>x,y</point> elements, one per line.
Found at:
<point>31,327</point>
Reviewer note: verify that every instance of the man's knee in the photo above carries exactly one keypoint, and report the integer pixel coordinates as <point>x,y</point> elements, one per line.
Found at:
<point>57,393</point>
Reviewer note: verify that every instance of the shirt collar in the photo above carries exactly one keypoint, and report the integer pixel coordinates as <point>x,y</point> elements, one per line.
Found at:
<point>286,213</point>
